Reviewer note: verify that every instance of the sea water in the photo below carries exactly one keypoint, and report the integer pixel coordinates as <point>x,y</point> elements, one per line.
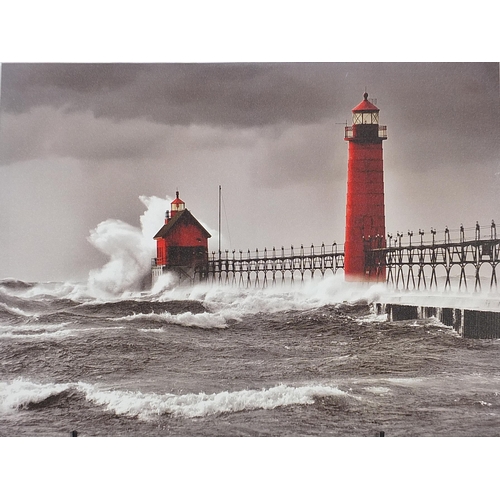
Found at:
<point>308,360</point>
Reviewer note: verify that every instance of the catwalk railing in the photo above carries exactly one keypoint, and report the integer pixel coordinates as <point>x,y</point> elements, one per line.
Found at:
<point>444,261</point>
<point>261,268</point>
<point>462,260</point>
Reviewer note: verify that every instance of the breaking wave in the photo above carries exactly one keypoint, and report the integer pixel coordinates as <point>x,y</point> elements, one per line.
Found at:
<point>129,250</point>
<point>13,311</point>
<point>41,332</point>
<point>202,305</point>
<point>200,320</point>
<point>21,394</point>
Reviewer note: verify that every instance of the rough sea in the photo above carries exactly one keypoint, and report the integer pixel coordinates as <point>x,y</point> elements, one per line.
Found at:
<point>201,365</point>
<point>310,360</point>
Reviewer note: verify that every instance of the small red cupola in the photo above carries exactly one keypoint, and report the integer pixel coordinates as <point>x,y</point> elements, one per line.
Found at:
<point>365,105</point>
<point>177,205</point>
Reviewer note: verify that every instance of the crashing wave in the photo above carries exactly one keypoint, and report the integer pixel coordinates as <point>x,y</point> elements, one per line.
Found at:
<point>22,394</point>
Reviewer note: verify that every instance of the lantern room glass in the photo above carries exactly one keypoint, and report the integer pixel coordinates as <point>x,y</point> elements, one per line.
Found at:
<point>367,118</point>
<point>178,207</point>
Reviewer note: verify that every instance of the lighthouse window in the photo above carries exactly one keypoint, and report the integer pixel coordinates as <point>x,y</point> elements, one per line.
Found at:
<point>365,118</point>
<point>370,118</point>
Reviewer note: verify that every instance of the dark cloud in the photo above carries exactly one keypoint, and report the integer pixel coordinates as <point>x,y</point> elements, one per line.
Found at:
<point>454,105</point>
<point>29,85</point>
<point>218,94</point>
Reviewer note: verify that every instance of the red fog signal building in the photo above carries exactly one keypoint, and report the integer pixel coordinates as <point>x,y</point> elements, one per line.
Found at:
<point>181,244</point>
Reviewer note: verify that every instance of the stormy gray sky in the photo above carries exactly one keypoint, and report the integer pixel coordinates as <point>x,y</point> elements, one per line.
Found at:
<point>79,143</point>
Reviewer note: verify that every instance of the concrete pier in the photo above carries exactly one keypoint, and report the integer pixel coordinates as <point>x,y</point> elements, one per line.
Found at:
<point>470,317</point>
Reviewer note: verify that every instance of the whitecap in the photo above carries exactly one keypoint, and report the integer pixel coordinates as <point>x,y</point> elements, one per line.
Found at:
<point>147,405</point>
<point>200,320</point>
<point>15,310</point>
<point>19,393</point>
<point>378,390</point>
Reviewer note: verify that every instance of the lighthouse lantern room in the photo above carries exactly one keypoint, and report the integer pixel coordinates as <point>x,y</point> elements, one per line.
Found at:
<point>365,210</point>
<point>181,245</point>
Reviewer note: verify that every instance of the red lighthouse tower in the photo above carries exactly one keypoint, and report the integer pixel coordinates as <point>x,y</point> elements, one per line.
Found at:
<point>365,211</point>
<point>181,245</point>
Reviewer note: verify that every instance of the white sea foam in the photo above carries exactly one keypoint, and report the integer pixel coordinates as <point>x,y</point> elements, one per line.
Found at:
<point>32,327</point>
<point>41,333</point>
<point>35,332</point>
<point>129,250</point>
<point>378,390</point>
<point>225,303</point>
<point>201,320</point>
<point>19,393</point>
<point>75,291</point>
<point>39,336</point>
<point>199,405</point>
<point>15,310</point>
<point>166,281</point>
<point>234,303</point>
<point>372,318</point>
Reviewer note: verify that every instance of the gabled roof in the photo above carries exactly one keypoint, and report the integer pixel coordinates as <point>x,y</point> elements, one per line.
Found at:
<point>365,105</point>
<point>185,215</point>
